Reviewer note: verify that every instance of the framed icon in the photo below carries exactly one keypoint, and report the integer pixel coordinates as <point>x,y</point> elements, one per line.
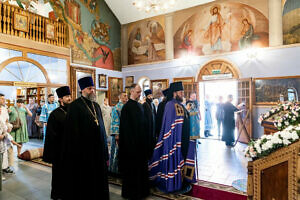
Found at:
<point>50,31</point>
<point>21,22</point>
<point>102,80</point>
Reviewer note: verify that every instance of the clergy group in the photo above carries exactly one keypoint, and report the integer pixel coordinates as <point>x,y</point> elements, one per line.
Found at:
<point>148,147</point>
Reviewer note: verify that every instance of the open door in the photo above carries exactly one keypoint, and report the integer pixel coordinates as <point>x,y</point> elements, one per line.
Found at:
<point>190,87</point>
<point>244,118</point>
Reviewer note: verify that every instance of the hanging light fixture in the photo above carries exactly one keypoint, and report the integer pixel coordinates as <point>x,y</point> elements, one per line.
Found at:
<point>153,5</point>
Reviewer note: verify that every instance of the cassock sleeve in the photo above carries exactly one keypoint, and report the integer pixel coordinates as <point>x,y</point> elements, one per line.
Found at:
<point>50,142</point>
<point>235,109</point>
<point>158,118</point>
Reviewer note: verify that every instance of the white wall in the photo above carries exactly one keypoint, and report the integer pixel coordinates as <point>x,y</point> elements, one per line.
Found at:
<point>267,62</point>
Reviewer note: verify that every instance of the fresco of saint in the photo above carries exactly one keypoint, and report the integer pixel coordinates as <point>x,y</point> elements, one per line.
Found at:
<point>187,42</point>
<point>248,35</point>
<point>214,31</point>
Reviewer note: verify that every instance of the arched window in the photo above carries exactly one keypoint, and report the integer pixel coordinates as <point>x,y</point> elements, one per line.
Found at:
<point>144,82</point>
<point>22,71</point>
<point>292,94</point>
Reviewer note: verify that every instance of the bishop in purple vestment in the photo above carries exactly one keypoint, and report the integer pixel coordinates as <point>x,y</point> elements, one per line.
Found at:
<point>172,167</point>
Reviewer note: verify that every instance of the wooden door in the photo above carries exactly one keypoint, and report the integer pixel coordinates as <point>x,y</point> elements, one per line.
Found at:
<point>190,88</point>
<point>244,118</point>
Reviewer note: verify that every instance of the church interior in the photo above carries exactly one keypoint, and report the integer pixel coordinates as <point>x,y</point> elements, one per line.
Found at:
<point>246,49</point>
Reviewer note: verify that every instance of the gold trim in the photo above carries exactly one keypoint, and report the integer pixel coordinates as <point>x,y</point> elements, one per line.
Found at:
<point>73,78</point>
<point>286,154</point>
<point>109,92</point>
<point>192,170</point>
<point>179,110</point>
<point>221,64</point>
<point>184,79</point>
<point>15,21</point>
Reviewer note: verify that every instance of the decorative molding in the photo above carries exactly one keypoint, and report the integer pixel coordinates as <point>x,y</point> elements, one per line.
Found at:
<point>223,65</point>
<point>74,80</point>
<point>287,154</point>
<point>22,44</point>
<point>184,79</point>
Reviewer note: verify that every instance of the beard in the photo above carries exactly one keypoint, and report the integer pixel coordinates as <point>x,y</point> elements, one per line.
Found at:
<point>149,100</point>
<point>178,98</point>
<point>66,103</point>
<point>91,97</point>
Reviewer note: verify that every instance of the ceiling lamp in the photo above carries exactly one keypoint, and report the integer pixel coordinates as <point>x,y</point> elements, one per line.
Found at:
<point>153,5</point>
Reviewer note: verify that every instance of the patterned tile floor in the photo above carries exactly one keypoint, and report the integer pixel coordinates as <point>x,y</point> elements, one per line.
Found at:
<point>217,163</point>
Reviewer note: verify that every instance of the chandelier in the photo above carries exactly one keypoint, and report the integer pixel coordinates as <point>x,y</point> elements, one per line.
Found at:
<point>153,5</point>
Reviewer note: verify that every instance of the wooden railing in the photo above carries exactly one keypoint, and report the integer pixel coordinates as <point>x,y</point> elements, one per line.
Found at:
<point>33,26</point>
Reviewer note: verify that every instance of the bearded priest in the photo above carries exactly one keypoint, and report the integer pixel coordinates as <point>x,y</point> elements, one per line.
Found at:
<point>85,154</point>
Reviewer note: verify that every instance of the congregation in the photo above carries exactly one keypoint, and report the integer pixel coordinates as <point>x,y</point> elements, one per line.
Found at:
<point>143,144</point>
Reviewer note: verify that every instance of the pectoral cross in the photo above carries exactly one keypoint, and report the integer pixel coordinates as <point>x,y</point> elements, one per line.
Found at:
<point>97,122</point>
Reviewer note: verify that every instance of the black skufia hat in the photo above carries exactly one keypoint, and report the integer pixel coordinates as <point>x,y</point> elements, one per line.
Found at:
<point>165,92</point>
<point>63,91</point>
<point>176,86</point>
<point>147,92</point>
<point>85,82</point>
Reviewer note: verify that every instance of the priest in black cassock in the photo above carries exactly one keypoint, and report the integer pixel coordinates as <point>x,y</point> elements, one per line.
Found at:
<point>150,114</point>
<point>134,148</point>
<point>85,152</point>
<point>53,141</point>
<point>160,112</point>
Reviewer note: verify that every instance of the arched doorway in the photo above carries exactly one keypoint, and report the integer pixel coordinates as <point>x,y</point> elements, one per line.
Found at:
<point>220,78</point>
<point>218,67</point>
<point>144,83</point>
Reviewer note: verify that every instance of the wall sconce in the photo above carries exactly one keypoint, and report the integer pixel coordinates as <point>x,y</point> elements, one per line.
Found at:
<point>252,53</point>
<point>188,59</point>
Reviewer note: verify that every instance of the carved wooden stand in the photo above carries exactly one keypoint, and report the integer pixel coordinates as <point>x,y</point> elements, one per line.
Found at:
<point>276,176</point>
<point>269,128</point>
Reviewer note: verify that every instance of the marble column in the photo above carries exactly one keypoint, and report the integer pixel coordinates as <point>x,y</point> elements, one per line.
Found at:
<point>124,45</point>
<point>275,23</point>
<point>169,36</point>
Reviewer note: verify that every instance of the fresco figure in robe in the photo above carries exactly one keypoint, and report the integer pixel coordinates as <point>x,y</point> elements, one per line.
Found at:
<point>214,31</point>
<point>187,41</point>
<point>151,52</point>
<point>248,35</point>
<point>138,35</point>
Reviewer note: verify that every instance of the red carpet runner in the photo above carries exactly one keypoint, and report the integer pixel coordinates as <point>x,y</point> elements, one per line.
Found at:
<point>212,191</point>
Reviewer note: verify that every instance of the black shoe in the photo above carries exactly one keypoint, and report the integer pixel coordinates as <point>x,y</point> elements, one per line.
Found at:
<point>8,171</point>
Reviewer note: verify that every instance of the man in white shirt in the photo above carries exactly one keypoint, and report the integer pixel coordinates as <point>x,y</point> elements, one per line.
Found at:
<point>9,155</point>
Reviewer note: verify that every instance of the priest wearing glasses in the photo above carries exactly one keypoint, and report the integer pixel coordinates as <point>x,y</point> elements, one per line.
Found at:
<point>84,153</point>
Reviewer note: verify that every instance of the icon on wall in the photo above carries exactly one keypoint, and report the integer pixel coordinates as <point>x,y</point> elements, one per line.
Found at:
<point>21,22</point>
<point>102,80</point>
<point>129,81</point>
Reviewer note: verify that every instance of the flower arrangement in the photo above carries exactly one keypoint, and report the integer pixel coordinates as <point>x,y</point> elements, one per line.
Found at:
<point>271,112</point>
<point>290,118</point>
<point>285,120</point>
<point>280,107</point>
<point>269,143</point>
